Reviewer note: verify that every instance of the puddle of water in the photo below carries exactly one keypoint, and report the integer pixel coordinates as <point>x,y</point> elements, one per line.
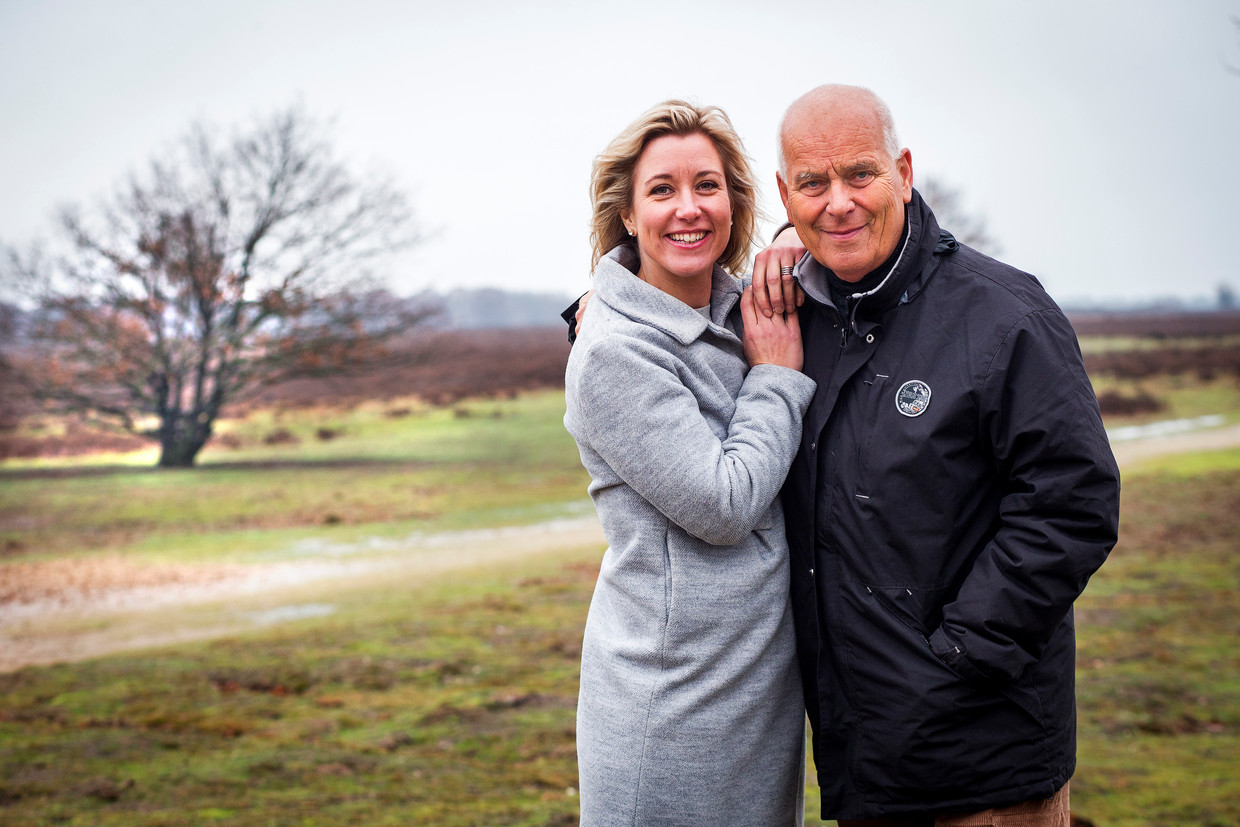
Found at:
<point>283,614</point>
<point>312,547</point>
<point>1165,428</point>
<point>572,518</point>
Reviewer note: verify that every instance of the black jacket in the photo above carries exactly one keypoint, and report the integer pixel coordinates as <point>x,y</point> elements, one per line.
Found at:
<point>953,493</point>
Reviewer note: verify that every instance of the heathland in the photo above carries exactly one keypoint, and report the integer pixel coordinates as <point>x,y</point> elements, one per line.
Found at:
<point>365,605</point>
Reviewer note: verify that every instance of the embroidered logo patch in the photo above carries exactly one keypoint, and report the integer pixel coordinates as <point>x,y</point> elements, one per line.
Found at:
<point>913,398</point>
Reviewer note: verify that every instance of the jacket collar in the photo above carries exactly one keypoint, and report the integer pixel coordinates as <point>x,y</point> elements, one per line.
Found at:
<point>906,276</point>
<point>617,285</point>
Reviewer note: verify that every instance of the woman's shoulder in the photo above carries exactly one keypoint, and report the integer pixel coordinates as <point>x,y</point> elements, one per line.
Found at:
<point>623,314</point>
<point>611,339</point>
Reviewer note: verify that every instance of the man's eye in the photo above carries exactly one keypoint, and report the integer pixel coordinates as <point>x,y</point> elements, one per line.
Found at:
<point>812,186</point>
<point>863,176</point>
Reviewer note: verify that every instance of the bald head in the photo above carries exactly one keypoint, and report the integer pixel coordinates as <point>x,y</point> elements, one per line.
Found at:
<point>821,108</point>
<point>844,179</point>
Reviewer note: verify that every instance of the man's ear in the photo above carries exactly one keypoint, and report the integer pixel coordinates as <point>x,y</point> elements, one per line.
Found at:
<point>783,192</point>
<point>904,166</point>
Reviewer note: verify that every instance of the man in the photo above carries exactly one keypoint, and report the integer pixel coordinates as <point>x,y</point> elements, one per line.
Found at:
<point>953,493</point>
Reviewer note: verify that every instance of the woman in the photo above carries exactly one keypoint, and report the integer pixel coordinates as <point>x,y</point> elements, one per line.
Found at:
<point>690,709</point>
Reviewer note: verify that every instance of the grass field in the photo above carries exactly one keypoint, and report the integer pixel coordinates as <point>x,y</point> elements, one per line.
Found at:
<point>443,703</point>
<point>1183,397</point>
<point>387,469</point>
<point>1158,667</point>
<point>448,699</point>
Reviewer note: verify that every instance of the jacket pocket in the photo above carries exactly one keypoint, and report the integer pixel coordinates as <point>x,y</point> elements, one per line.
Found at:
<point>875,390</point>
<point>1024,696</point>
<point>902,604</point>
<point>923,732</point>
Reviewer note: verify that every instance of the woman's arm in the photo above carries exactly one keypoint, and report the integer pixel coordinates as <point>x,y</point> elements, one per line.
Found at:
<point>633,409</point>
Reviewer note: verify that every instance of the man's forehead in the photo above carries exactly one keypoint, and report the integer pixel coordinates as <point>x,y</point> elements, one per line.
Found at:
<point>837,135</point>
<point>847,109</point>
<point>832,152</point>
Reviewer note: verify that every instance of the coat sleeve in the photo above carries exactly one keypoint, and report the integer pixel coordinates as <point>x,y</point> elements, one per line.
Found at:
<point>633,410</point>
<point>1059,509</point>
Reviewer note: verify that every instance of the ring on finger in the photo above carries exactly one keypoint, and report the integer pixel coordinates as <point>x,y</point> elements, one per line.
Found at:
<point>785,271</point>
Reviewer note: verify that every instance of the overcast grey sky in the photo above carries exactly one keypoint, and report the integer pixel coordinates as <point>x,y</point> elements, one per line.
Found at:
<point>1098,139</point>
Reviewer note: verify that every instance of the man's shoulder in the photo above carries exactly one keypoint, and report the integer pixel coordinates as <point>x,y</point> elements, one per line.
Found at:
<point>985,282</point>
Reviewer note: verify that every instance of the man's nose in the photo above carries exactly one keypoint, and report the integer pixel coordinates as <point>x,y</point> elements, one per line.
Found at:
<point>839,199</point>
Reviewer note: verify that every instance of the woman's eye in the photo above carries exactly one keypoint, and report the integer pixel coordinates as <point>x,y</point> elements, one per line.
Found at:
<point>709,185</point>
<point>662,189</point>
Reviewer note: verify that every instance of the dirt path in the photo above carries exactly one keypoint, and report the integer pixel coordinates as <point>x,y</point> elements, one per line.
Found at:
<point>67,610</point>
<point>1131,452</point>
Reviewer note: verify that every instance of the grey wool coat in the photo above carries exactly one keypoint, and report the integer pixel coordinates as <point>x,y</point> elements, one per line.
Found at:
<point>690,710</point>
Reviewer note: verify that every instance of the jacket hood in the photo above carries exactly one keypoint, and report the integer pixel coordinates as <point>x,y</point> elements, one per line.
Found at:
<point>616,283</point>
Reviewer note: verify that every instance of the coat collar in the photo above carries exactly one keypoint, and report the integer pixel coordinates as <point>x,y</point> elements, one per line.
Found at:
<point>617,285</point>
<point>907,275</point>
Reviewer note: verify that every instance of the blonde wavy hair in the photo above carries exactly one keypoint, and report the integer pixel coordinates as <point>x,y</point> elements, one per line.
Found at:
<point>611,180</point>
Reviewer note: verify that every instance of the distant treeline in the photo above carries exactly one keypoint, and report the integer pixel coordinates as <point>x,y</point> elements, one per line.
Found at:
<point>445,366</point>
<point>1149,325</point>
<point>491,308</point>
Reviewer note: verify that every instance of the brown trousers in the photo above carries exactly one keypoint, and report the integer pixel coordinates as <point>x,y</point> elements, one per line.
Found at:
<point>1041,812</point>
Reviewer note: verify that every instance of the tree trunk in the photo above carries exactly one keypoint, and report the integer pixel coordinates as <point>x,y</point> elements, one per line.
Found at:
<point>180,440</point>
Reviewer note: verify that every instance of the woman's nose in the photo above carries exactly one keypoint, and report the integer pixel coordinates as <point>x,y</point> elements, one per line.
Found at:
<point>687,206</point>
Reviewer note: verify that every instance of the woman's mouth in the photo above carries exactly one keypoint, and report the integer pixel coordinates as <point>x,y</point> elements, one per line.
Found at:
<point>687,239</point>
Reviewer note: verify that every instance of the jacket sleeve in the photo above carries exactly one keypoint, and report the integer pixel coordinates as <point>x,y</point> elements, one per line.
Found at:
<point>1059,508</point>
<point>569,315</point>
<point>637,414</point>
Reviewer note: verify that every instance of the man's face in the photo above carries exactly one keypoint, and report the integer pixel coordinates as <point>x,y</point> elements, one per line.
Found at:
<point>844,193</point>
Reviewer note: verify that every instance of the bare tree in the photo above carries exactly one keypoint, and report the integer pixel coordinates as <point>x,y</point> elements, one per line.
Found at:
<point>948,205</point>
<point>231,264</point>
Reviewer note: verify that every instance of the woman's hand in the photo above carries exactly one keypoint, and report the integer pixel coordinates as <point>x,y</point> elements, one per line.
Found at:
<point>775,291</point>
<point>774,340</point>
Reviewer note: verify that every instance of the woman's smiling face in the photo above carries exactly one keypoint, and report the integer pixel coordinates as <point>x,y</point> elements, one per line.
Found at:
<point>681,213</point>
